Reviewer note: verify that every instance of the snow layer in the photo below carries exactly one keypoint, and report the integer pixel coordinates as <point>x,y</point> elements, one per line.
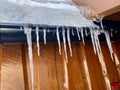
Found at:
<point>27,11</point>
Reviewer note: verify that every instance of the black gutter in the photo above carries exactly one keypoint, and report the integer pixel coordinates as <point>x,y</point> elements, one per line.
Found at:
<point>14,33</point>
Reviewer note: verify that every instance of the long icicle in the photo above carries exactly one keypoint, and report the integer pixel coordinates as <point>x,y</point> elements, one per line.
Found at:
<point>107,39</point>
<point>28,31</point>
<point>44,35</point>
<point>69,41</point>
<point>109,43</point>
<point>64,41</point>
<point>101,59</point>
<point>37,40</point>
<point>93,42</point>
<point>58,39</point>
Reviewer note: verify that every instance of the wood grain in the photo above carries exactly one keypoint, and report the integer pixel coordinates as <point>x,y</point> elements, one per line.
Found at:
<point>0,63</point>
<point>49,72</point>
<point>11,70</point>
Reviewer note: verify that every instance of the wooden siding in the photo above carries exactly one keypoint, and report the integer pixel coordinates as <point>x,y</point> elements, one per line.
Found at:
<point>49,67</point>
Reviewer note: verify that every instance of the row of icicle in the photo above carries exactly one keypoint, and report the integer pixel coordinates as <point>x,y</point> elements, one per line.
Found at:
<point>94,33</point>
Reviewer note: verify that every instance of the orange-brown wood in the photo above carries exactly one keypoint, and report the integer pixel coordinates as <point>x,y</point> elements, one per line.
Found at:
<point>75,70</point>
<point>36,67</point>
<point>11,68</point>
<point>97,79</point>
<point>49,69</point>
<point>60,68</point>
<point>110,64</point>
<point>24,64</point>
<point>0,63</point>
<point>82,56</point>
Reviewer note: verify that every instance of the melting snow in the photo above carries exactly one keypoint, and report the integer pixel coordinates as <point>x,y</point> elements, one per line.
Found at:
<point>28,11</point>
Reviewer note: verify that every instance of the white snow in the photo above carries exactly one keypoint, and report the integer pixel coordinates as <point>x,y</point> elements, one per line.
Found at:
<point>27,31</point>
<point>27,11</point>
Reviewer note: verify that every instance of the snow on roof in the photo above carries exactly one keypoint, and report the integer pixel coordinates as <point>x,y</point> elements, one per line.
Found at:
<point>28,11</point>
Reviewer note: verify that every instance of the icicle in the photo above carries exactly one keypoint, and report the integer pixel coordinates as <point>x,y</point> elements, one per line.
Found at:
<point>28,31</point>
<point>58,39</point>
<point>73,32</point>
<point>107,39</point>
<point>48,30</point>
<point>86,33</point>
<point>109,43</point>
<point>111,33</point>
<point>78,33</point>
<point>101,24</point>
<point>92,37</point>
<point>44,35</point>
<point>37,40</point>
<point>64,41</point>
<point>21,28</point>
<point>69,41</point>
<point>87,73</point>
<point>96,33</point>
<point>66,75</point>
<point>82,35</point>
<point>101,59</point>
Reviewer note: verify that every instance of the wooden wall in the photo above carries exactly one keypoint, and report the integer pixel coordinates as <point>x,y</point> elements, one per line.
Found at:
<point>49,67</point>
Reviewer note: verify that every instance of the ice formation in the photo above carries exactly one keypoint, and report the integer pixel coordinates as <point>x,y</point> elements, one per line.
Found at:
<point>69,41</point>
<point>78,34</point>
<point>28,31</point>
<point>44,35</point>
<point>58,39</point>
<point>109,43</point>
<point>64,42</point>
<point>37,40</point>
<point>82,35</point>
